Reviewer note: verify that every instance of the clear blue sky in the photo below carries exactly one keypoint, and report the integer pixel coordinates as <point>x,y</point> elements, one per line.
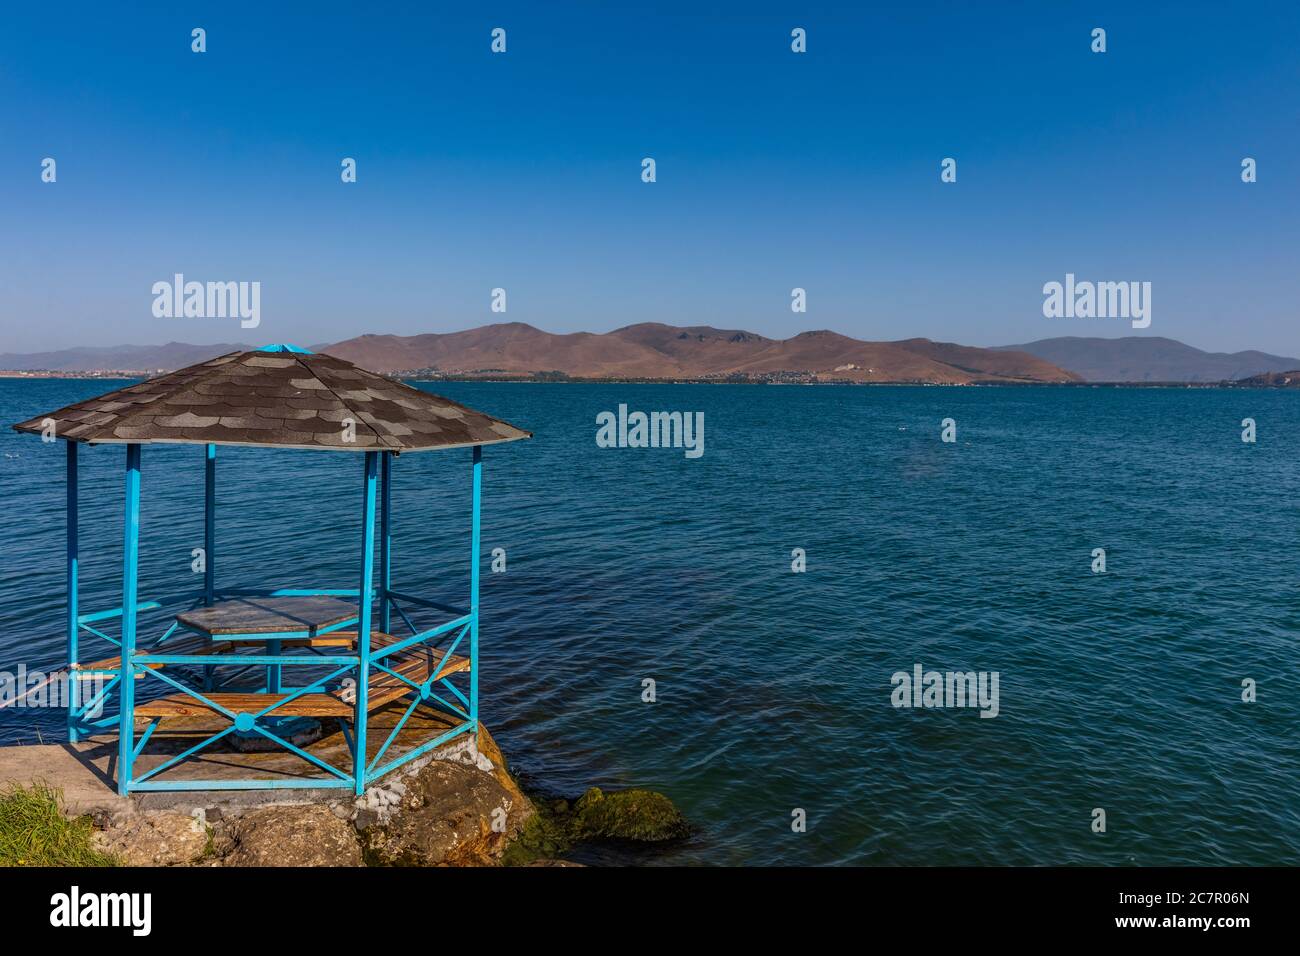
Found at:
<point>775,170</point>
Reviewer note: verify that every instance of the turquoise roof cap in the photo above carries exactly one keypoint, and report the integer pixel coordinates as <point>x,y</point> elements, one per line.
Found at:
<point>282,347</point>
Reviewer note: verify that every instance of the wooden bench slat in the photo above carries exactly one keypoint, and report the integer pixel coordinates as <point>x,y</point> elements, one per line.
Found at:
<point>384,689</point>
<point>201,646</point>
<point>333,639</point>
<point>183,705</point>
<point>185,645</point>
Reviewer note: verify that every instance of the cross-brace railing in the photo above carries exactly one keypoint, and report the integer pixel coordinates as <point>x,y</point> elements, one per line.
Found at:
<point>459,704</point>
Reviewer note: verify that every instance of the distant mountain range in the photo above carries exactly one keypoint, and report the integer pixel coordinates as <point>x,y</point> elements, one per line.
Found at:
<point>137,358</point>
<point>1151,359</point>
<point>652,350</point>
<point>657,351</point>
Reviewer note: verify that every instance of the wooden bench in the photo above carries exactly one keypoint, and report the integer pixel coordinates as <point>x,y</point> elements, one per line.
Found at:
<point>415,664</point>
<point>181,645</point>
<point>183,705</point>
<point>95,670</point>
<point>200,646</point>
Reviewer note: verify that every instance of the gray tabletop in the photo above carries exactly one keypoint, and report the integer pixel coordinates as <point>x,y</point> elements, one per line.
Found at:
<point>269,616</point>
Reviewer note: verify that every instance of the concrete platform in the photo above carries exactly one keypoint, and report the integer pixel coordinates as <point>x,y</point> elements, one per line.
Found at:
<point>64,767</point>
<point>84,771</point>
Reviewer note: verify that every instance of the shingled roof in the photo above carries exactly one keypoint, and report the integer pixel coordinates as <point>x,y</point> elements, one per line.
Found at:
<point>279,396</point>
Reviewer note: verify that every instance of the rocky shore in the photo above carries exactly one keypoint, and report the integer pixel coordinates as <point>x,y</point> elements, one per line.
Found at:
<point>459,806</point>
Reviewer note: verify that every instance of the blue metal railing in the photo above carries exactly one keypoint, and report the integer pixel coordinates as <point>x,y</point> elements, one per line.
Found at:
<point>146,664</point>
<point>343,663</point>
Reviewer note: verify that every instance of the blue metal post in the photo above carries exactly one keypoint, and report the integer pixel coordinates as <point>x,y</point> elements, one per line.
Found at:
<point>475,549</point>
<point>209,542</point>
<point>74,685</point>
<point>209,525</point>
<point>274,672</point>
<point>385,543</point>
<point>363,622</point>
<point>130,570</point>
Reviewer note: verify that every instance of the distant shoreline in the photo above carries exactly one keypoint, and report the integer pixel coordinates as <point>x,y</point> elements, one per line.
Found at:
<point>655,352</point>
<point>551,379</point>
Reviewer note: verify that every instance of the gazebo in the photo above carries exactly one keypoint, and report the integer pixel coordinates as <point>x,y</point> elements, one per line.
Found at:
<point>279,396</point>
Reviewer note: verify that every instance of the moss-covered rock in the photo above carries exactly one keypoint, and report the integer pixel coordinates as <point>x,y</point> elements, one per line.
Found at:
<point>641,815</point>
<point>628,816</point>
<point>543,836</point>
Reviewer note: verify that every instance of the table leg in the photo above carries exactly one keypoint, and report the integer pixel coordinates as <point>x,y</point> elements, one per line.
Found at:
<point>273,670</point>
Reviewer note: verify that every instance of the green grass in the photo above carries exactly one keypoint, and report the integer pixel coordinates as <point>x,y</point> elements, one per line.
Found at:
<point>35,832</point>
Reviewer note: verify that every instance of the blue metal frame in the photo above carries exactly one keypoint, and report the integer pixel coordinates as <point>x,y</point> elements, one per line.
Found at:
<point>385,542</point>
<point>137,664</point>
<point>209,524</point>
<point>209,541</point>
<point>74,733</point>
<point>363,625</point>
<point>130,568</point>
<point>475,552</point>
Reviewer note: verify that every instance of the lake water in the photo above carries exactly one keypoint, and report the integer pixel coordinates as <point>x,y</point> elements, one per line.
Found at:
<point>1119,690</point>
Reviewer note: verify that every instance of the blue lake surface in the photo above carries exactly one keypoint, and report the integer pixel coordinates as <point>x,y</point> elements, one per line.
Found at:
<point>1119,690</point>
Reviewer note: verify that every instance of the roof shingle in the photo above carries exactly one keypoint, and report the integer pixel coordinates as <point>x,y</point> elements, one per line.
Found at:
<point>284,399</point>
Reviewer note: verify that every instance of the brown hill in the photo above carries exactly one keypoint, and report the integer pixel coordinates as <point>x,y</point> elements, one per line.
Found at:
<point>507,347</point>
<point>1003,363</point>
<point>654,350</point>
